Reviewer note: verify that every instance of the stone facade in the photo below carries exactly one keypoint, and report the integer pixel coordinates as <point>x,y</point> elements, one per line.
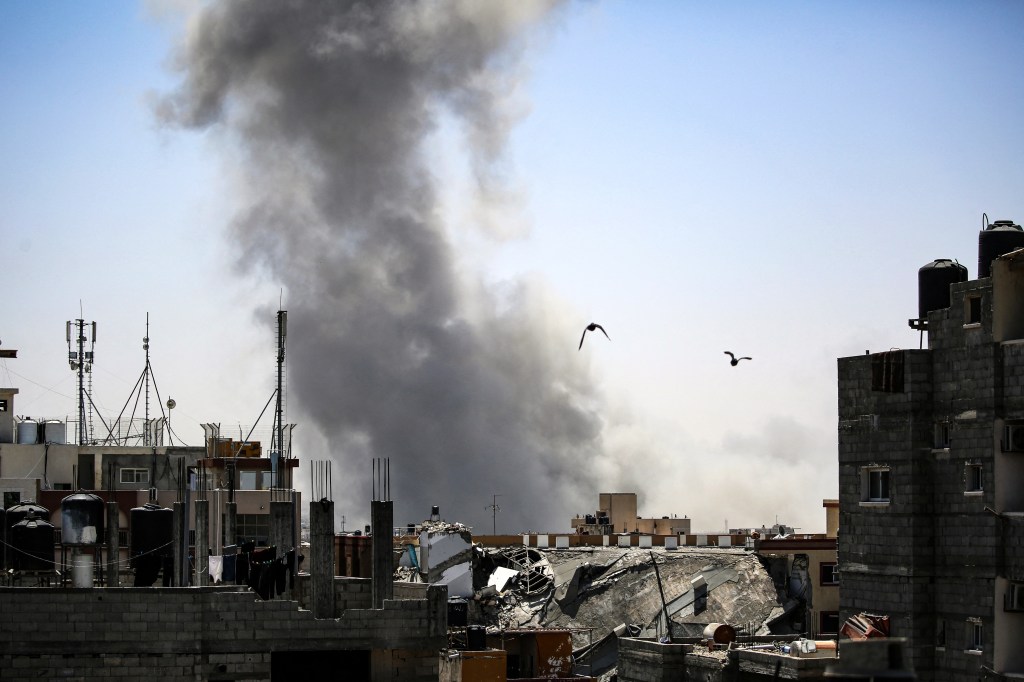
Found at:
<point>929,512</point>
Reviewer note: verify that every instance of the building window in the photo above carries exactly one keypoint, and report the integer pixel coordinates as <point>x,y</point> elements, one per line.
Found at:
<point>11,498</point>
<point>828,623</point>
<point>3,404</point>
<point>942,436</point>
<point>829,574</point>
<point>252,528</point>
<point>940,634</point>
<point>972,310</point>
<point>975,480</point>
<point>875,484</point>
<point>975,635</point>
<point>134,475</point>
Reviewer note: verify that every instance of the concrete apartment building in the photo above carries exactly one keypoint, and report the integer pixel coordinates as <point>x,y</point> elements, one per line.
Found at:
<point>931,472</point>
<point>617,513</point>
<point>805,567</point>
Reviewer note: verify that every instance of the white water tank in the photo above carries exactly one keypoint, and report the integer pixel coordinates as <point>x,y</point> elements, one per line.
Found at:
<point>54,431</point>
<point>28,432</point>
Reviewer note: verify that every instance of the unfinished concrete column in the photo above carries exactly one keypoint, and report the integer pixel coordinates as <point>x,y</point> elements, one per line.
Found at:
<point>179,537</point>
<point>381,524</point>
<point>321,560</point>
<point>202,543</point>
<point>281,519</point>
<point>230,523</point>
<point>113,546</point>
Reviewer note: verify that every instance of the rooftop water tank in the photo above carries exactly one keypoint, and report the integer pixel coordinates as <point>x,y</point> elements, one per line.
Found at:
<point>998,238</point>
<point>152,530</point>
<point>28,432</point>
<point>18,512</point>
<point>933,282</point>
<point>81,518</point>
<point>719,633</point>
<point>32,541</point>
<point>53,431</point>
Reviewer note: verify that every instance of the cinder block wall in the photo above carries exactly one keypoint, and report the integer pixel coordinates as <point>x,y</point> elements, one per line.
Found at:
<point>646,661</point>
<point>207,633</point>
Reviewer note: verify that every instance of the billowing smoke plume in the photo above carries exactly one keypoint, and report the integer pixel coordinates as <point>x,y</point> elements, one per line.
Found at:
<point>395,348</point>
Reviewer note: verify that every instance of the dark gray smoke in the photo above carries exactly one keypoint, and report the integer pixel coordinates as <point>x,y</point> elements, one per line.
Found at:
<point>394,349</point>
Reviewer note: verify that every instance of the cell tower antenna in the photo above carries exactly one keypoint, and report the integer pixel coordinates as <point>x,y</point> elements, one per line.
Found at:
<point>145,347</point>
<point>81,361</point>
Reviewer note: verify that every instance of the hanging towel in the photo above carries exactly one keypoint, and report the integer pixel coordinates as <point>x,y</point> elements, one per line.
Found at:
<point>216,568</point>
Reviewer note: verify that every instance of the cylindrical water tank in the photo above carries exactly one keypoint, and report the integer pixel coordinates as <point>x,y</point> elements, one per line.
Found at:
<point>32,543</point>
<point>53,431</point>
<point>81,519</point>
<point>19,512</point>
<point>719,633</point>
<point>476,638</point>
<point>152,530</point>
<point>1000,237</point>
<point>933,282</point>
<point>28,432</point>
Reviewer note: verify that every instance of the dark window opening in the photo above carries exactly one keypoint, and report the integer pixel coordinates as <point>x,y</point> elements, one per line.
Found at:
<point>974,310</point>
<point>829,574</point>
<point>828,623</point>
<point>975,480</point>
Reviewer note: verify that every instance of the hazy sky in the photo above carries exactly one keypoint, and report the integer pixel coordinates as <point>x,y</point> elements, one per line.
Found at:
<point>442,223</point>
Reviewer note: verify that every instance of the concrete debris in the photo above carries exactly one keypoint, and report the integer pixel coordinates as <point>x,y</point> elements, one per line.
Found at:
<point>865,626</point>
<point>599,592</point>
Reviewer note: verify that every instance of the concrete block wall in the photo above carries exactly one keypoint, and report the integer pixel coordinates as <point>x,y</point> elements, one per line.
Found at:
<point>197,633</point>
<point>647,661</point>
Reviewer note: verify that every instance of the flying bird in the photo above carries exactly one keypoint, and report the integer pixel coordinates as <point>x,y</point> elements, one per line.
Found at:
<point>735,360</point>
<point>591,327</point>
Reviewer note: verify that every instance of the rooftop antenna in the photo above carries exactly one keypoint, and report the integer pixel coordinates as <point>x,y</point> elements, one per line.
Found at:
<point>493,506</point>
<point>170,406</point>
<point>146,440</point>
<point>282,333</point>
<point>81,361</point>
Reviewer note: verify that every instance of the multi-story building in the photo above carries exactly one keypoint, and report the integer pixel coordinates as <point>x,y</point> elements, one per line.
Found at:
<point>617,513</point>
<point>931,472</point>
<point>805,569</point>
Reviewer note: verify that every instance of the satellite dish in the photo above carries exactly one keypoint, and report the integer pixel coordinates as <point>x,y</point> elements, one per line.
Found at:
<point>171,403</point>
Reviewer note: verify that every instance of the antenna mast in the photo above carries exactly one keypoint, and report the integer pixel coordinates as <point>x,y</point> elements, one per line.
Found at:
<point>81,360</point>
<point>145,347</point>
<point>282,332</point>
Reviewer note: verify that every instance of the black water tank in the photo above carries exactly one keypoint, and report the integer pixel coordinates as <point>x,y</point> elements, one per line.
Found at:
<point>152,530</point>
<point>1000,237</point>
<point>933,282</point>
<point>19,512</point>
<point>476,638</point>
<point>32,541</point>
<point>458,613</point>
<point>82,519</point>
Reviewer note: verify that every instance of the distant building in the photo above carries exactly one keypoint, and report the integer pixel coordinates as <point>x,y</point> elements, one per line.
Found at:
<point>931,472</point>
<point>805,571</point>
<point>617,513</point>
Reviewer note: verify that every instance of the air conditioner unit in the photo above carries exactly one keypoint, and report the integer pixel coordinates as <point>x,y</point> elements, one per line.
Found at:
<point>1013,438</point>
